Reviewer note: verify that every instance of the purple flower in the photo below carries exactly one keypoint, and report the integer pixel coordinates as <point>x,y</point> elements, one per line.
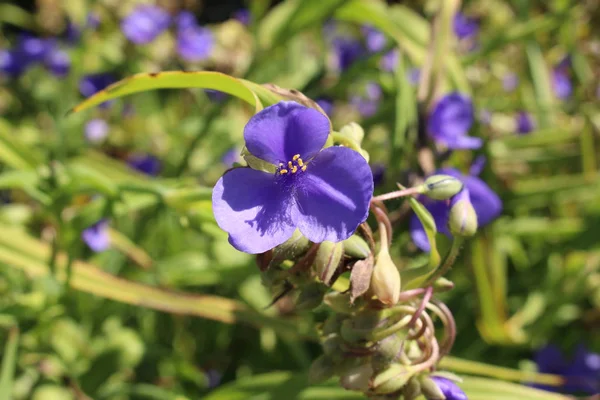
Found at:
<point>231,157</point>
<point>96,236</point>
<point>34,49</point>
<point>465,27</point>
<point>145,23</point>
<point>346,51</point>
<point>325,193</point>
<point>510,81</point>
<point>96,130</point>
<point>242,15</point>
<point>524,122</point>
<point>561,84</point>
<point>486,203</point>
<point>92,84</point>
<point>389,61</point>
<point>12,63</point>
<point>326,105</point>
<point>367,103</point>
<point>413,76</point>
<point>145,163</point>
<point>58,62</point>
<point>194,43</point>
<point>185,19</point>
<point>215,95</point>
<point>582,372</point>
<point>450,121</point>
<point>374,38</point>
<point>378,170</point>
<point>449,388</point>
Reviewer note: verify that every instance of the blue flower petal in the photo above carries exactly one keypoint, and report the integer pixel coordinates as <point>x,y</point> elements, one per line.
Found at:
<point>194,43</point>
<point>249,206</point>
<point>96,236</point>
<point>450,121</point>
<point>145,23</point>
<point>285,129</point>
<point>450,389</point>
<point>334,196</point>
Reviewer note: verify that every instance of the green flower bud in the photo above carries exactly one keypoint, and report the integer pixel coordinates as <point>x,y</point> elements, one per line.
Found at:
<point>332,324</point>
<point>387,351</point>
<point>360,327</point>
<point>412,389</point>
<point>311,296</point>
<point>328,259</point>
<point>441,187</point>
<point>392,379</point>
<point>429,389</point>
<point>339,302</point>
<point>332,344</point>
<point>321,370</point>
<point>291,249</point>
<point>354,131</point>
<point>462,220</point>
<point>356,247</point>
<point>385,281</point>
<point>357,378</point>
<point>442,284</point>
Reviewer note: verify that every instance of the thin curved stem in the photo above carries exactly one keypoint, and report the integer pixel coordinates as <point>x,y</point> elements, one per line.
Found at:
<point>448,261</point>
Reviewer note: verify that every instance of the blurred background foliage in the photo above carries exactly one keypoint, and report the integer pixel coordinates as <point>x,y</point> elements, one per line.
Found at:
<point>153,303</point>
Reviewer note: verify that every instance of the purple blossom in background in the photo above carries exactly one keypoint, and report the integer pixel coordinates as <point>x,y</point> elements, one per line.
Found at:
<point>450,389</point>
<point>378,170</point>
<point>12,63</point>
<point>367,103</point>
<point>326,105</point>
<point>145,23</point>
<point>524,122</point>
<point>194,43</point>
<point>231,157</point>
<point>34,49</point>
<point>346,51</point>
<point>374,39</point>
<point>185,19</point>
<point>510,81</point>
<point>96,130</point>
<point>96,236</point>
<point>216,95</point>
<point>465,27</point>
<point>413,75</point>
<point>450,121</point>
<point>58,62</point>
<point>389,61</point>
<point>561,83</point>
<point>145,163</point>
<point>486,203</point>
<point>92,84</point>
<point>325,193</point>
<point>242,15</point>
<point>31,50</point>
<point>582,372</point>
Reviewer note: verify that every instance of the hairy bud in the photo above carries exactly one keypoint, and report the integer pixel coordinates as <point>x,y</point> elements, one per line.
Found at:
<point>392,379</point>
<point>441,187</point>
<point>412,389</point>
<point>311,296</point>
<point>385,280</point>
<point>356,247</point>
<point>339,302</point>
<point>357,378</point>
<point>462,220</point>
<point>291,249</point>
<point>321,370</point>
<point>328,259</point>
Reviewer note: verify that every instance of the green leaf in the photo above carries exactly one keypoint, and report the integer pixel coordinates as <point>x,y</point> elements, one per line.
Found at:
<point>485,389</point>
<point>13,152</point>
<point>177,80</point>
<point>9,363</point>
<point>281,385</point>
<point>542,84</point>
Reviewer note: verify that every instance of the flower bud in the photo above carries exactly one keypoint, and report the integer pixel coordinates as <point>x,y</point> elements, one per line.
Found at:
<point>357,378</point>
<point>328,259</point>
<point>321,370</point>
<point>354,131</point>
<point>387,351</point>
<point>441,187</point>
<point>442,284</point>
<point>392,379</point>
<point>339,302</point>
<point>311,296</point>
<point>332,344</point>
<point>444,389</point>
<point>291,249</point>
<point>385,281</point>
<point>360,327</point>
<point>412,390</point>
<point>356,247</point>
<point>462,219</point>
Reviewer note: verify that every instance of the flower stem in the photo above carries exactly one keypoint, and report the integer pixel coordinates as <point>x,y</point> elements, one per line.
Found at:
<point>397,194</point>
<point>448,261</point>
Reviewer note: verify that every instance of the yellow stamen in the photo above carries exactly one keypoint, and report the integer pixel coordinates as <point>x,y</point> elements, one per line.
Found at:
<point>297,156</point>
<point>294,169</point>
<point>283,171</point>
<point>289,164</point>
<point>303,168</point>
<point>300,162</point>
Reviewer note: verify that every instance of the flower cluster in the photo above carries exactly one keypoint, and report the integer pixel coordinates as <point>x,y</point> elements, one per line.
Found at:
<point>147,22</point>
<point>30,51</point>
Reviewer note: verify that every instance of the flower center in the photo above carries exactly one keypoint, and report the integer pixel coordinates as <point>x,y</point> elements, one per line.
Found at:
<point>292,166</point>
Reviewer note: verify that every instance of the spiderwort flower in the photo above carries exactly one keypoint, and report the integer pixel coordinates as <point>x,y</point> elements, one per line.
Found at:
<point>561,84</point>
<point>485,202</point>
<point>374,39</point>
<point>243,16</point>
<point>96,236</point>
<point>325,193</point>
<point>145,163</point>
<point>326,105</point>
<point>194,43</point>
<point>96,130</point>
<point>524,123</point>
<point>145,23</point>
<point>389,61</point>
<point>465,27</point>
<point>58,62</point>
<point>450,121</point>
<point>582,372</point>
<point>346,51</point>
<point>450,389</point>
<point>367,103</point>
<point>92,84</point>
